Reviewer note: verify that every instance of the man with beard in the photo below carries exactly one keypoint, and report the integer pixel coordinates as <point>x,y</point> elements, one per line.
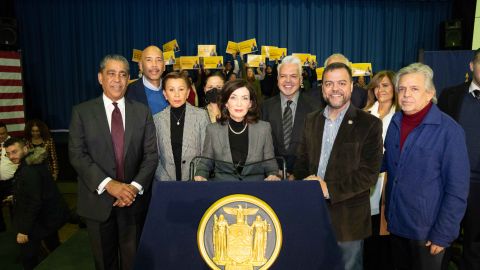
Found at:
<point>148,89</point>
<point>38,206</point>
<point>342,149</point>
<point>286,112</point>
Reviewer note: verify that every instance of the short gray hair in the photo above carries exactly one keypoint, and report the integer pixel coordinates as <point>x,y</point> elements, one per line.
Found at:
<point>342,58</point>
<point>291,60</point>
<point>115,57</point>
<point>422,69</point>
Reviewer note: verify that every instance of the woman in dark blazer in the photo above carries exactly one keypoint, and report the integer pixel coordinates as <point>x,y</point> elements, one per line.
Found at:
<point>238,146</point>
<point>180,130</point>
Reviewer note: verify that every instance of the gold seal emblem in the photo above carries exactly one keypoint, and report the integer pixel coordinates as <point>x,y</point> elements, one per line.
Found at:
<point>239,232</point>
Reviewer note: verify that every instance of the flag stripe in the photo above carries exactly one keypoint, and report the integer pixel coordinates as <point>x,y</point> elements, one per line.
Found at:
<point>13,121</point>
<point>10,76</point>
<point>10,69</point>
<point>11,108</point>
<point>9,62</point>
<point>11,102</point>
<point>18,133</point>
<point>7,115</point>
<point>11,89</point>
<point>11,95</point>
<point>10,83</point>
<point>9,54</point>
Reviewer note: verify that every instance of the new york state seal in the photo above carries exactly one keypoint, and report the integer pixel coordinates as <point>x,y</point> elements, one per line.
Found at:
<point>239,232</point>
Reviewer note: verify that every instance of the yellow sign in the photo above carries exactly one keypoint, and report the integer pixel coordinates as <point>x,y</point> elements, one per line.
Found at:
<point>136,55</point>
<point>248,46</point>
<point>361,69</point>
<point>319,72</point>
<point>176,66</point>
<point>213,62</point>
<point>254,60</point>
<point>239,232</point>
<point>169,57</point>
<point>189,62</point>
<point>232,47</point>
<point>171,46</point>
<point>266,50</point>
<point>305,58</point>
<point>207,50</point>
<point>278,53</point>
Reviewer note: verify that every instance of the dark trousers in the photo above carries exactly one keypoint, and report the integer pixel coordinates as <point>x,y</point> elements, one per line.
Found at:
<point>376,249</point>
<point>114,242</point>
<point>413,255</point>
<point>471,229</point>
<point>30,252</point>
<point>6,187</point>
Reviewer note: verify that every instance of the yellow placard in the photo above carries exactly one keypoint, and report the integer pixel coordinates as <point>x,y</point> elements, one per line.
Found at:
<point>207,50</point>
<point>171,46</point>
<point>278,53</point>
<point>136,55</point>
<point>176,66</point>
<point>189,62</point>
<point>305,58</point>
<point>232,47</point>
<point>361,69</point>
<point>213,62</point>
<point>248,46</point>
<point>255,60</point>
<point>319,72</point>
<point>169,57</point>
<point>266,50</point>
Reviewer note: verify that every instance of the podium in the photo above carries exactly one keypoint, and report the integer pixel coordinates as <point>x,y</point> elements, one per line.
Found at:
<point>169,238</point>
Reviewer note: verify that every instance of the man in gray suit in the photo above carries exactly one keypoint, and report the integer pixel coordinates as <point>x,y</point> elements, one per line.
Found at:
<point>113,149</point>
<point>286,112</point>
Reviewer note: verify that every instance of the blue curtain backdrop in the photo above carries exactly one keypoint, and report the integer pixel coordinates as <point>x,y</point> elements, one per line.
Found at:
<point>63,41</point>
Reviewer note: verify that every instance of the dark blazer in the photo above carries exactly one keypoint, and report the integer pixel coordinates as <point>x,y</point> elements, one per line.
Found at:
<point>272,112</point>
<point>38,206</point>
<point>451,99</point>
<point>352,169</point>
<point>136,91</point>
<point>92,156</point>
<point>217,146</point>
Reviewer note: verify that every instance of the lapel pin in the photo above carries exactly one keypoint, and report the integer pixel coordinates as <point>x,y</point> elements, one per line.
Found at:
<point>350,122</point>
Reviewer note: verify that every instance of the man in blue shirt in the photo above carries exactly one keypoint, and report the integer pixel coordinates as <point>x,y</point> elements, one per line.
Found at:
<point>148,89</point>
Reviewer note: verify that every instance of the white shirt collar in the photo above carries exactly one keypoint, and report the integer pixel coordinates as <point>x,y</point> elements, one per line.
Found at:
<point>108,102</point>
<point>149,85</point>
<point>473,86</point>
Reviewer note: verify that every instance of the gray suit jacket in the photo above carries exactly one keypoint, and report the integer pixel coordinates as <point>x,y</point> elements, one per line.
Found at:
<point>91,154</point>
<point>196,120</point>
<point>217,146</point>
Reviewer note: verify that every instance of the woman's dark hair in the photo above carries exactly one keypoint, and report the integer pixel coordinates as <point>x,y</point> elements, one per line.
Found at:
<point>215,74</point>
<point>44,131</point>
<point>176,75</point>
<point>227,90</point>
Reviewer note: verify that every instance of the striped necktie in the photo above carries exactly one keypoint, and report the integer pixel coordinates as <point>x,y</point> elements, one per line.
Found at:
<point>287,124</point>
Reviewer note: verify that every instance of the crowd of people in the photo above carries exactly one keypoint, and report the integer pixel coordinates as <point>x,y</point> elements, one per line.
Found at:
<point>399,171</point>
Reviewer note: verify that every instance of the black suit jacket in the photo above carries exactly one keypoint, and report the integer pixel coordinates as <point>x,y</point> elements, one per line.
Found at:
<point>92,155</point>
<point>352,169</point>
<point>272,112</point>
<point>451,99</point>
<point>136,91</point>
<point>38,206</point>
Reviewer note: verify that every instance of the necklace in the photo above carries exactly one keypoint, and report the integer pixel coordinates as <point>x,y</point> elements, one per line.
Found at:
<point>178,118</point>
<point>238,133</point>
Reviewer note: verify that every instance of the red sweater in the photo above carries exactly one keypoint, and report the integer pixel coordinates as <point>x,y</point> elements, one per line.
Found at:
<point>410,122</point>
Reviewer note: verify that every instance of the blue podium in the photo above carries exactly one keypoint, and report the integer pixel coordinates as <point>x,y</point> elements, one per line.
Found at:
<point>169,238</point>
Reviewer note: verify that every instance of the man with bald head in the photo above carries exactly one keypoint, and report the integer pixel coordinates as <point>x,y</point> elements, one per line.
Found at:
<point>148,89</point>
<point>359,95</point>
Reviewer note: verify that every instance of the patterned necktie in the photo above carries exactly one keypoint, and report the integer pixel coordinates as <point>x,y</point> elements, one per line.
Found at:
<point>287,124</point>
<point>117,132</point>
<point>476,93</point>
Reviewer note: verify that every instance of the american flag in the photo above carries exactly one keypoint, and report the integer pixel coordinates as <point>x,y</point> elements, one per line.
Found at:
<point>11,93</point>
